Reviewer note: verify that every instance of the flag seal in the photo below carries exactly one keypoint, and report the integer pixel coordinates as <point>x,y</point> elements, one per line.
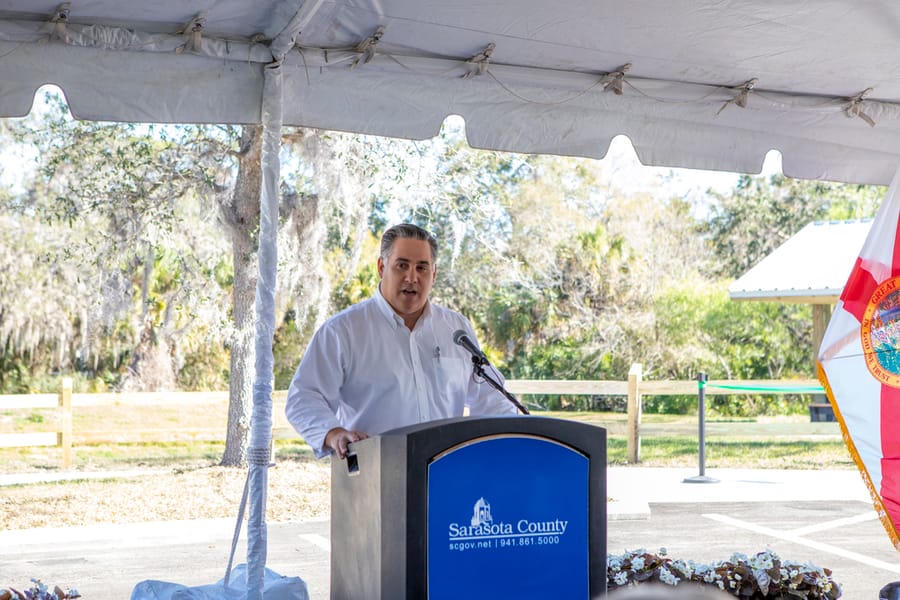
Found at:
<point>880,333</point>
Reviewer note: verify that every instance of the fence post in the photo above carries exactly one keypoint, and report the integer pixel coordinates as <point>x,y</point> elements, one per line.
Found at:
<point>64,436</point>
<point>634,414</point>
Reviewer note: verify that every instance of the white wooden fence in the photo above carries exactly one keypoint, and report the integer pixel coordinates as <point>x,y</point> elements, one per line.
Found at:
<point>634,388</point>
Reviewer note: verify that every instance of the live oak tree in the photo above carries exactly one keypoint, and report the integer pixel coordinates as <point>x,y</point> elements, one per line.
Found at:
<point>141,209</point>
<point>155,228</point>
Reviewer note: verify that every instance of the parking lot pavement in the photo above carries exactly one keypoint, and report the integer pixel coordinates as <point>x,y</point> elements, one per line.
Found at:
<point>824,517</point>
<point>105,562</point>
<point>844,536</point>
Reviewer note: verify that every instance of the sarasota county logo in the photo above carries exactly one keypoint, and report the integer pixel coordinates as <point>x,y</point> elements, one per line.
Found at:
<point>482,526</point>
<point>481,513</point>
<point>880,332</point>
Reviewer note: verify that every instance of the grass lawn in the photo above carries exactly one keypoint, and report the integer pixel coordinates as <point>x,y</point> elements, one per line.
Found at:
<point>666,440</point>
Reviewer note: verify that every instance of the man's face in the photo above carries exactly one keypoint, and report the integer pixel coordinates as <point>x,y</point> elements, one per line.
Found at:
<point>407,278</point>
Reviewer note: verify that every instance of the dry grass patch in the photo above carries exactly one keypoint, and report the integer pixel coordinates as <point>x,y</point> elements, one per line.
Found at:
<point>299,488</point>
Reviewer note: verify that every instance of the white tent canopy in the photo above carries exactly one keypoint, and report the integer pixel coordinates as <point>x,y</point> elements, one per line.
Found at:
<point>819,74</point>
<point>693,83</point>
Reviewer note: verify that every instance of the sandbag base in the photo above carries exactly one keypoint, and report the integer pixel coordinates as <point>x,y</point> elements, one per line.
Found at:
<point>275,587</point>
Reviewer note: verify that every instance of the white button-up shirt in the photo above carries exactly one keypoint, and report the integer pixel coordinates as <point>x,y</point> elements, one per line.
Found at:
<point>365,370</point>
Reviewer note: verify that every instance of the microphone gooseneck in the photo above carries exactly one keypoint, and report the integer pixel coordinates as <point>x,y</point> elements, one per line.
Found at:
<point>461,338</point>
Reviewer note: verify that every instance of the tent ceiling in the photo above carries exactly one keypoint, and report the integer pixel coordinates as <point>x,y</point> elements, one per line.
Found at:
<point>545,89</point>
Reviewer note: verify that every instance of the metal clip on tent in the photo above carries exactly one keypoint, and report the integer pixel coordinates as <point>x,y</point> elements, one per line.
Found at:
<point>194,33</point>
<point>613,80</point>
<point>367,47</point>
<point>478,64</point>
<point>743,93</point>
<point>59,19</point>
<point>854,109</point>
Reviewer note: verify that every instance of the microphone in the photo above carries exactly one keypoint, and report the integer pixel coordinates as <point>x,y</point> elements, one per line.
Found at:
<point>461,338</point>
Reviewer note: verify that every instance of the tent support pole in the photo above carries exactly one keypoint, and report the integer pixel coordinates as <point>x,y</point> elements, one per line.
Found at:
<point>259,452</point>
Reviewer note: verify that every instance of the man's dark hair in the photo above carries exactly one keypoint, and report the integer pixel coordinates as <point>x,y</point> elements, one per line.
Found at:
<point>409,231</point>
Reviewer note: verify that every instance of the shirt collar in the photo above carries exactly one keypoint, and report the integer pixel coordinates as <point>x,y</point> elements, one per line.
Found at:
<point>385,308</point>
<point>391,315</point>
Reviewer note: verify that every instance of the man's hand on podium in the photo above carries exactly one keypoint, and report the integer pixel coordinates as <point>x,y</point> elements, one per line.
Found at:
<point>339,438</point>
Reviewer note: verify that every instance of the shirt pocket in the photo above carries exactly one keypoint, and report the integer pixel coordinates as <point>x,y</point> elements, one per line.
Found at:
<point>452,378</point>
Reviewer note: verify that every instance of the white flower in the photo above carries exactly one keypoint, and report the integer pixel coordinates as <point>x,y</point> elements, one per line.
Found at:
<point>767,576</point>
<point>761,562</point>
<point>683,568</point>
<point>666,576</point>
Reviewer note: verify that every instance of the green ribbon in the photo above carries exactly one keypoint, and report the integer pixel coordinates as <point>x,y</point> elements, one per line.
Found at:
<point>800,389</point>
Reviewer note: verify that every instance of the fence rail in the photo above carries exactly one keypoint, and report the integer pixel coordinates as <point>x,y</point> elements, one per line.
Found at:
<point>66,401</point>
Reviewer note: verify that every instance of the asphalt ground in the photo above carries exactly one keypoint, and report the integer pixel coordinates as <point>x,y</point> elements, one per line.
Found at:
<point>824,517</point>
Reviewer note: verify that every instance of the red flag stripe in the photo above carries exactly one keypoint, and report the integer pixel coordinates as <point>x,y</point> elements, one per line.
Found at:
<point>890,422</point>
<point>858,290</point>
<point>890,451</point>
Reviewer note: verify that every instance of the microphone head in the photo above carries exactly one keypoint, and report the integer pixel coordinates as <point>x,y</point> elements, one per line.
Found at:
<point>458,335</point>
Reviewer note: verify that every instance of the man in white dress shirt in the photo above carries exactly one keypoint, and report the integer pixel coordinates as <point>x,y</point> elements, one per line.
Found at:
<point>388,361</point>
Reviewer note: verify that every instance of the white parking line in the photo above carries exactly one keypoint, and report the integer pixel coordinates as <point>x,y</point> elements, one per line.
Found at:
<point>867,516</point>
<point>319,541</point>
<point>796,539</point>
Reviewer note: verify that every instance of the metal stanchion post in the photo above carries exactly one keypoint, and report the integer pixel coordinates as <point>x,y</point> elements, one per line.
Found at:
<point>702,378</point>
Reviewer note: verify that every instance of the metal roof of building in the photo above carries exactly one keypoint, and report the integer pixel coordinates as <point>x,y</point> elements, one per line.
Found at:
<point>810,267</point>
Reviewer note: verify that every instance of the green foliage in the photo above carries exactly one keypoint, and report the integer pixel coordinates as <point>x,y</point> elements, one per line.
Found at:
<point>359,286</point>
<point>34,418</point>
<point>705,331</point>
<point>204,368</point>
<point>289,342</point>
<point>116,244</point>
<point>120,235</point>
<point>762,213</point>
<point>514,313</point>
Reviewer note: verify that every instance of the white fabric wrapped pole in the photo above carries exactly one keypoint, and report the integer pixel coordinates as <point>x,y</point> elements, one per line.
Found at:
<point>261,423</point>
<point>254,577</point>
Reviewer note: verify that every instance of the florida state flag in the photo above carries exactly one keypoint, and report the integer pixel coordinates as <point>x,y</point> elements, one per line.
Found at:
<point>859,361</point>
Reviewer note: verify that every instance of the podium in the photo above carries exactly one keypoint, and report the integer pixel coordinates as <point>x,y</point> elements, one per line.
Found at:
<point>489,507</point>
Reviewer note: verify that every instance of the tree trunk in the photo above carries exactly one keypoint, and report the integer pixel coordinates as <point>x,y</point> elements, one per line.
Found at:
<point>240,213</point>
<point>151,368</point>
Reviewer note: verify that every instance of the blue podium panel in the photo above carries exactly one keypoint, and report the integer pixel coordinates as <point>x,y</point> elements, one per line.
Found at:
<point>508,518</point>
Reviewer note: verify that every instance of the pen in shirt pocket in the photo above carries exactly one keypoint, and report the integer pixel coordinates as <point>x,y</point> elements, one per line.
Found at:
<point>437,352</point>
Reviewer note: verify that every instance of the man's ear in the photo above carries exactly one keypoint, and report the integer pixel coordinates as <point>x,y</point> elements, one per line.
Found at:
<point>380,268</point>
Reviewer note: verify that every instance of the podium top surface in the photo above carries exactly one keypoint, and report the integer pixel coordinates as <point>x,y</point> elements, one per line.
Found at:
<point>435,436</point>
